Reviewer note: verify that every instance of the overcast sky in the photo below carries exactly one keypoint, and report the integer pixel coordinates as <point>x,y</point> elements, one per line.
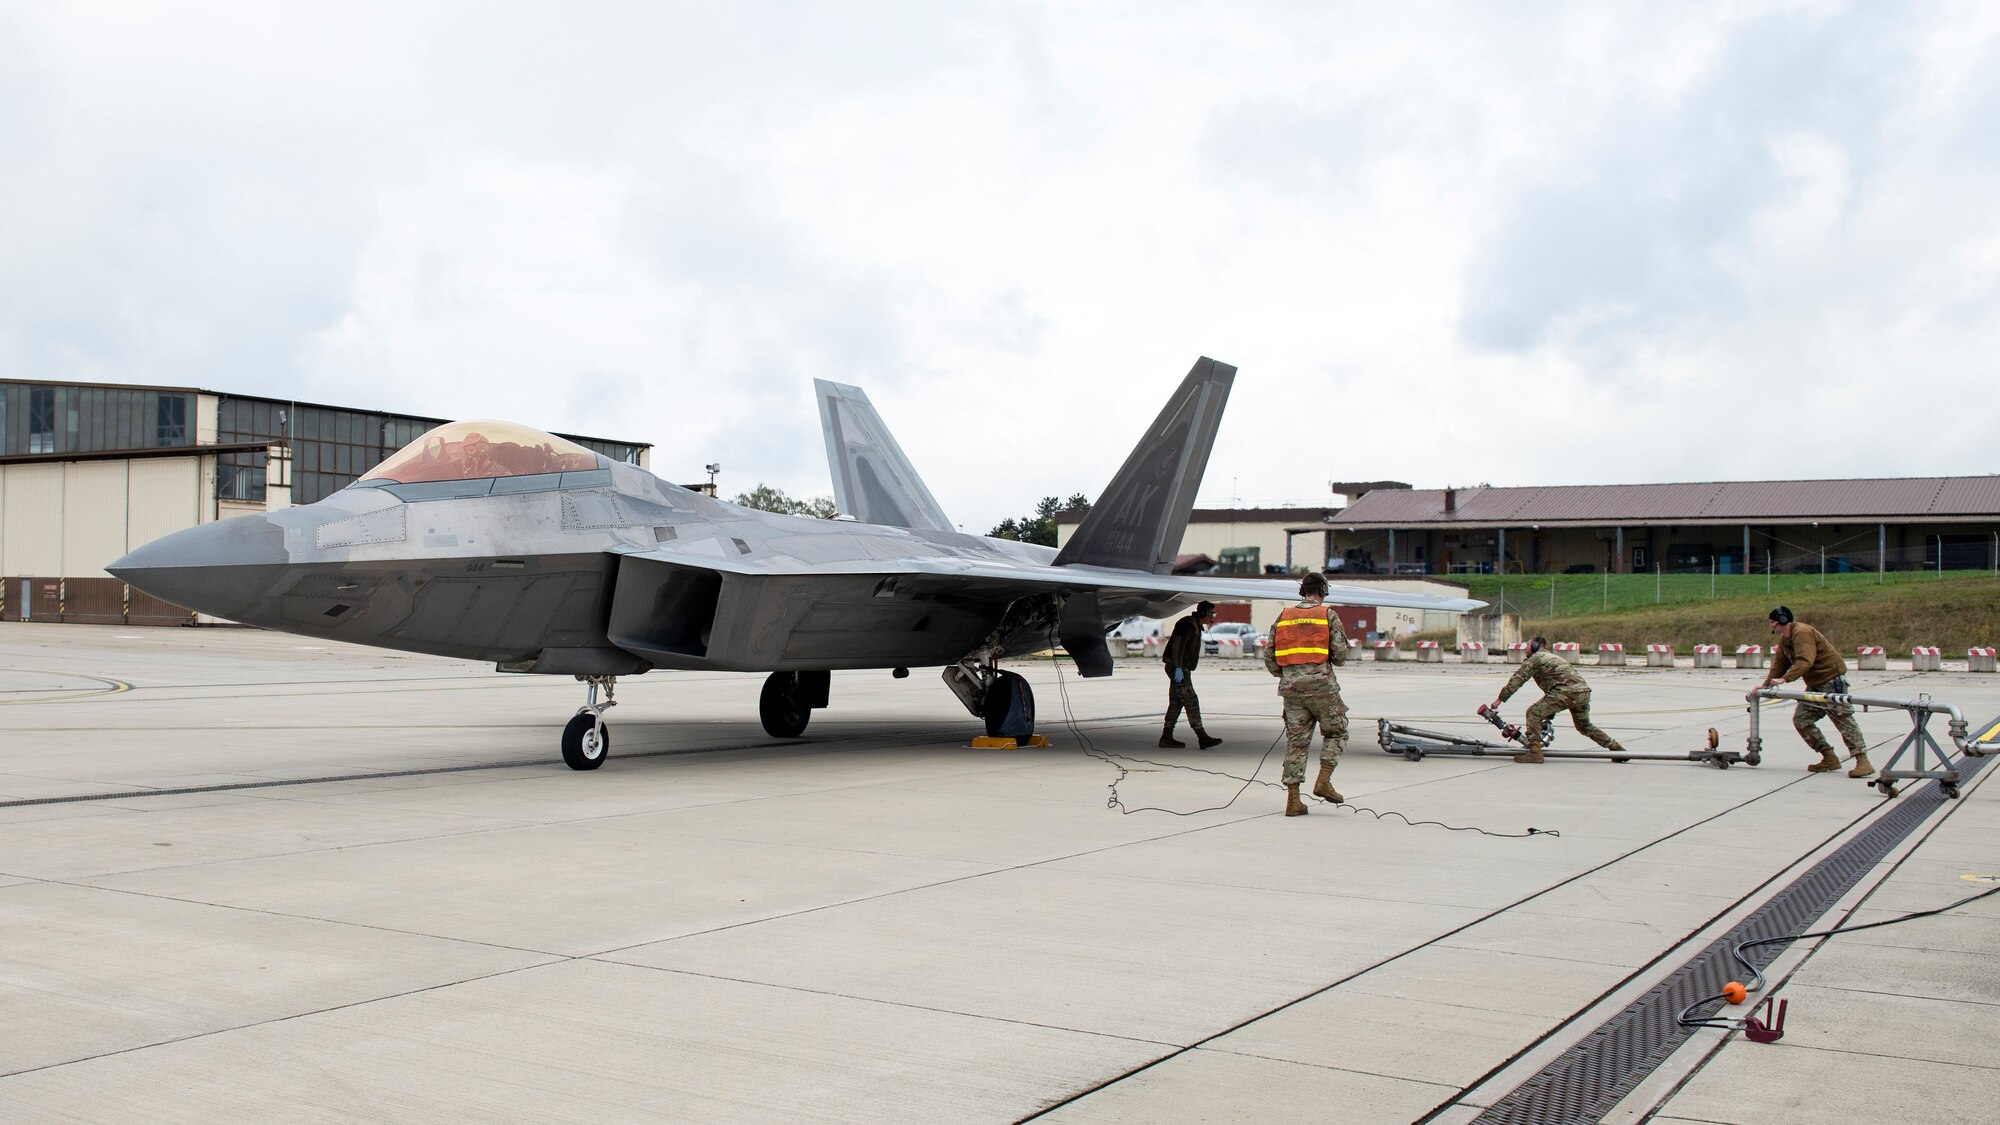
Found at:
<point>1509,243</point>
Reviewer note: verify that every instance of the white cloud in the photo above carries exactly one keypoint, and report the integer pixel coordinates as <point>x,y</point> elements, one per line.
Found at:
<point>1525,244</point>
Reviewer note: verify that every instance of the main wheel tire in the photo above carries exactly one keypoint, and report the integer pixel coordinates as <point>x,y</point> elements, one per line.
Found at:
<point>1009,707</point>
<point>585,743</point>
<point>779,708</point>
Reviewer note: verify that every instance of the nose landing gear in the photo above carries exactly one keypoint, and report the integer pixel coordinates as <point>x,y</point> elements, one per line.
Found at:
<point>586,741</point>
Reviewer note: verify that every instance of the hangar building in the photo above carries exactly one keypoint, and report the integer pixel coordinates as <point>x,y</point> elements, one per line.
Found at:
<point>90,471</point>
<point>1729,527</point>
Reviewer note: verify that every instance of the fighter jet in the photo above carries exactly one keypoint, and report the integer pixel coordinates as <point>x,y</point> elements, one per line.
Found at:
<point>495,542</point>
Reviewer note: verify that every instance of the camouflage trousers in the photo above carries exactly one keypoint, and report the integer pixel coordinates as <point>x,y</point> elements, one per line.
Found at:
<point>1301,713</point>
<point>1577,702</point>
<point>1806,718</point>
<point>1181,695</point>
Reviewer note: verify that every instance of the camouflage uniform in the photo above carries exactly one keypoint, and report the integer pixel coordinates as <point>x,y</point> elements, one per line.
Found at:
<point>1563,689</point>
<point>1807,655</point>
<point>1312,695</point>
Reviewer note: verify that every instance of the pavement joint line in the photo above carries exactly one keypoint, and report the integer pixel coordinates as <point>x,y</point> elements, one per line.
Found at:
<point>1523,1102</point>
<point>988,1017</point>
<point>1327,1066</point>
<point>286,1018</point>
<point>475,767</point>
<point>1494,913</point>
<point>1656,1090</point>
<point>1551,1045</point>
<point>993,870</point>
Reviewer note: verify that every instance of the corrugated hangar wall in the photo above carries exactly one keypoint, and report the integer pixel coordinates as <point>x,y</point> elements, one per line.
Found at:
<point>63,522</point>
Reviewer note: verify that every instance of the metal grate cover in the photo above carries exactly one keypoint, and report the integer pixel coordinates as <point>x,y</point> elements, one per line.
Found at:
<point>1594,1075</point>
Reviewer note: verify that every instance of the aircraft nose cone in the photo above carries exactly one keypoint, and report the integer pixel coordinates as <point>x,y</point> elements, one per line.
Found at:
<point>210,567</point>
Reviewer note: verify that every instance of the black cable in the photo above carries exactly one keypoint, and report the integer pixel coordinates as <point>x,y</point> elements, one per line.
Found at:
<point>1114,801</point>
<point>1757,981</point>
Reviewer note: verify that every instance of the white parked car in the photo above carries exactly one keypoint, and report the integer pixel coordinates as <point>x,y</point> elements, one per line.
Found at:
<point>1133,632</point>
<point>1231,633</point>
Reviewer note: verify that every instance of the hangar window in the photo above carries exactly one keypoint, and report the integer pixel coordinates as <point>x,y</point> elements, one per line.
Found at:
<point>41,419</point>
<point>482,450</point>
<point>170,421</point>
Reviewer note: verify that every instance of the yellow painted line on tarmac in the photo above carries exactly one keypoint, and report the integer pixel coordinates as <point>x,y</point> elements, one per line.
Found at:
<point>111,687</point>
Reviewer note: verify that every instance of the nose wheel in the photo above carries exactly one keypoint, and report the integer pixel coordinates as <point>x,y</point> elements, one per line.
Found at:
<point>586,740</point>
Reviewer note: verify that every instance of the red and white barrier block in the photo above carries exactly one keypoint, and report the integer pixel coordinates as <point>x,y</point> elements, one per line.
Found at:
<point>1749,656</point>
<point>1979,660</point>
<point>1568,650</point>
<point>1387,650</point>
<point>1611,656</point>
<point>1229,648</point>
<point>1708,656</point>
<point>1517,652</point>
<point>1926,658</point>
<point>1659,656</point>
<point>1871,658</point>
<point>1428,652</point>
<point>1472,652</point>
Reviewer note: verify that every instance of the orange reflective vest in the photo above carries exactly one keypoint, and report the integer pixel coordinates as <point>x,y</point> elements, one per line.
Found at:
<point>1301,635</point>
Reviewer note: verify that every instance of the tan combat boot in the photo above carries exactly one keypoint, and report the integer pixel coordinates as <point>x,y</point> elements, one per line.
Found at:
<point>1294,806</point>
<point>1861,766</point>
<point>1828,760</point>
<point>1532,756</point>
<point>1169,742</point>
<point>1323,788</point>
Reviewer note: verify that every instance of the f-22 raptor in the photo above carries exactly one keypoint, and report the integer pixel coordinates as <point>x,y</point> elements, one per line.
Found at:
<point>500,543</point>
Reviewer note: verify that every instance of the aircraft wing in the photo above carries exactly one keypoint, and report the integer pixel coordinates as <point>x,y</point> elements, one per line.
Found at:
<point>986,576</point>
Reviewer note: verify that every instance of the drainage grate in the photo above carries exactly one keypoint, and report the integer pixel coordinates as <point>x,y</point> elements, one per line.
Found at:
<point>1594,1075</point>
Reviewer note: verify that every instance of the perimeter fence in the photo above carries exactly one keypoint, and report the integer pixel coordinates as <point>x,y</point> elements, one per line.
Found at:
<point>1771,573</point>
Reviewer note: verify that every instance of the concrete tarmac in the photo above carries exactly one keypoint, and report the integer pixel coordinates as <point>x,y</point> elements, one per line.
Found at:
<point>434,920</point>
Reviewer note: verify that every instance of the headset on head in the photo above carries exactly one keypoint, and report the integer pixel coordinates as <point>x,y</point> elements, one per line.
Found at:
<point>1782,615</point>
<point>1536,644</point>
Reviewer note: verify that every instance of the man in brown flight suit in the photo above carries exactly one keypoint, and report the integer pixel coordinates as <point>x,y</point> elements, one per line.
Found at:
<point>1804,653</point>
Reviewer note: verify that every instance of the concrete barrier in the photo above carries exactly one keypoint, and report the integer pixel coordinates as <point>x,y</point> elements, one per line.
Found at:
<point>1979,660</point>
<point>1428,652</point>
<point>1568,650</point>
<point>1749,656</point>
<point>1659,656</point>
<point>1708,656</point>
<point>1154,646</point>
<point>1387,651</point>
<point>1472,652</point>
<point>1517,652</point>
<point>1926,658</point>
<point>1611,656</point>
<point>1871,658</point>
<point>1229,648</point>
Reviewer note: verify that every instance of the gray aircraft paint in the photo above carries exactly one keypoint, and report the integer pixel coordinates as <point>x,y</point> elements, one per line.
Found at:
<point>616,572</point>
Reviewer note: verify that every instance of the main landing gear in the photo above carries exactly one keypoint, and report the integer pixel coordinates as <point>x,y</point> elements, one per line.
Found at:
<point>1002,700</point>
<point>586,740</point>
<point>786,704</point>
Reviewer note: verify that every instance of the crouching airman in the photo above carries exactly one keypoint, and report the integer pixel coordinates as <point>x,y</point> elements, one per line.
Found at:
<point>1563,689</point>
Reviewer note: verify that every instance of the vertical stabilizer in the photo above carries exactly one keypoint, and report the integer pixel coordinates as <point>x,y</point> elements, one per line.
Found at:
<point>872,480</point>
<point>1138,523</point>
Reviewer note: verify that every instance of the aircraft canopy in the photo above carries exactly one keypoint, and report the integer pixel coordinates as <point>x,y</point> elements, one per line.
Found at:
<point>480,450</point>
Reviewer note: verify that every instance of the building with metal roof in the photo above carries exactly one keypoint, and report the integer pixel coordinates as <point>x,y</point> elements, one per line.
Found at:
<point>1897,523</point>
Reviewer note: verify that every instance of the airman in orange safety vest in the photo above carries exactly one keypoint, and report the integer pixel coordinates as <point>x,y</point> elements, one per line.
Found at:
<point>1306,644</point>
